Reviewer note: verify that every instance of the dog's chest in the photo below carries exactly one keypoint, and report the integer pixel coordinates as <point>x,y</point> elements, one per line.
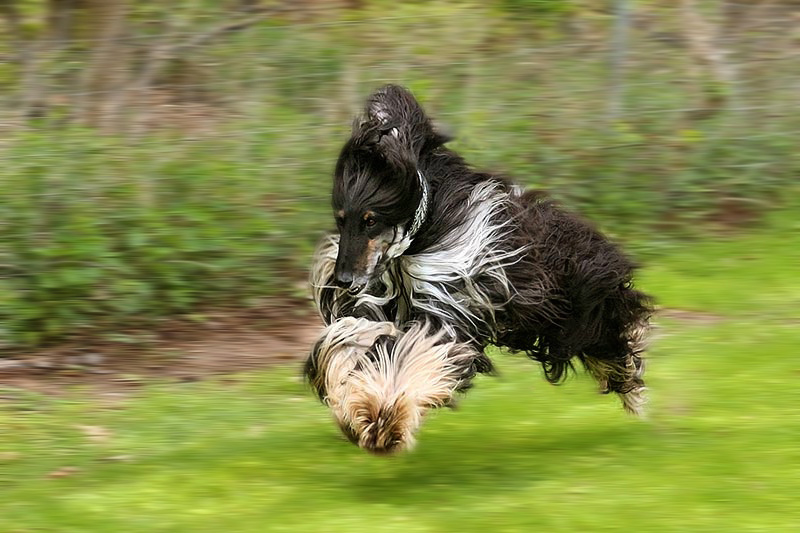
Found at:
<point>460,294</point>
<point>462,278</point>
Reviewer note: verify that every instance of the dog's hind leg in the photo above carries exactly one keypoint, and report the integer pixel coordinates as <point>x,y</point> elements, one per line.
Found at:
<point>625,378</point>
<point>618,366</point>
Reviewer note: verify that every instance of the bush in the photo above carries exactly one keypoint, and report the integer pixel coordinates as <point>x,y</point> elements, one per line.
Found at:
<point>103,232</point>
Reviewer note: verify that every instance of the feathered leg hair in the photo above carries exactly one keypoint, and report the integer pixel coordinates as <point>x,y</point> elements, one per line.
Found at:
<point>618,365</point>
<point>379,382</point>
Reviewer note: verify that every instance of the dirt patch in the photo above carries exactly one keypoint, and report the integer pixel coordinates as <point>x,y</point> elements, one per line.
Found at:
<point>732,214</point>
<point>689,317</point>
<point>179,351</point>
<point>185,350</point>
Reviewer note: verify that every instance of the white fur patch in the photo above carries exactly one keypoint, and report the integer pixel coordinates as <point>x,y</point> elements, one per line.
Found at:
<point>461,258</point>
<point>443,280</point>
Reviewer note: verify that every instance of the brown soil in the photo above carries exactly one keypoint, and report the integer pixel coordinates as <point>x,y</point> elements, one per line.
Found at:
<point>183,351</point>
<point>690,317</point>
<point>177,351</point>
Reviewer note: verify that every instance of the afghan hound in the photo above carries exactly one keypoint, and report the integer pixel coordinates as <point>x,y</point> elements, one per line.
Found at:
<point>433,261</point>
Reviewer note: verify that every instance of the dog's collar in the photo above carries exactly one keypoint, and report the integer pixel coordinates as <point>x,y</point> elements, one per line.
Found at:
<point>422,209</point>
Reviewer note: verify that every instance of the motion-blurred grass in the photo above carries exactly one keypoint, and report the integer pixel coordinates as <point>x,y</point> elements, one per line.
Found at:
<point>718,453</point>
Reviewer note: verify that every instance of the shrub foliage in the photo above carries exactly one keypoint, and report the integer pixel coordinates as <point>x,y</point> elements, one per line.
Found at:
<point>215,189</point>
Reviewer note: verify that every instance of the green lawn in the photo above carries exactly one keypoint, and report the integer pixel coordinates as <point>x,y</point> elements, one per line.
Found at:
<point>720,451</point>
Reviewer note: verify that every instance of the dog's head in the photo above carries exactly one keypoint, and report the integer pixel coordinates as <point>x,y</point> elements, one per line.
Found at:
<point>380,383</point>
<point>379,192</point>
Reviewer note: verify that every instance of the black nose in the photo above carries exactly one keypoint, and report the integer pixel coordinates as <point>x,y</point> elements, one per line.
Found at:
<point>344,279</point>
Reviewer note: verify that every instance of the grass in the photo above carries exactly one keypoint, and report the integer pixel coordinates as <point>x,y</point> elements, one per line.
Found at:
<point>719,452</point>
<point>751,276</point>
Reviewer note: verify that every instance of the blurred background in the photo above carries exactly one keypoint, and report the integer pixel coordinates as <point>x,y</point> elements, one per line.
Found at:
<point>159,156</point>
<point>165,170</point>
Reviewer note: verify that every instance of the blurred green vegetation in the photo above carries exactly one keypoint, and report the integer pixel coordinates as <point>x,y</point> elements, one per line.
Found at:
<point>258,453</point>
<point>105,232</point>
<point>209,186</point>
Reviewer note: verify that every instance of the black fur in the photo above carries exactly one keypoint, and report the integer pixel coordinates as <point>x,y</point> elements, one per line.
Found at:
<point>569,294</point>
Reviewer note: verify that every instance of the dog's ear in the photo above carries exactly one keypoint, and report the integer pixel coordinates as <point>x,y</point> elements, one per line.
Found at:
<point>399,125</point>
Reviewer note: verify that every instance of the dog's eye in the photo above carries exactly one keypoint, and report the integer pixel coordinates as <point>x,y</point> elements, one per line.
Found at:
<point>370,221</point>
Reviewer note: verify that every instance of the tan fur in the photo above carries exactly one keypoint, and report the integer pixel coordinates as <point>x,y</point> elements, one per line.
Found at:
<point>369,260</point>
<point>380,404</point>
<point>343,344</point>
